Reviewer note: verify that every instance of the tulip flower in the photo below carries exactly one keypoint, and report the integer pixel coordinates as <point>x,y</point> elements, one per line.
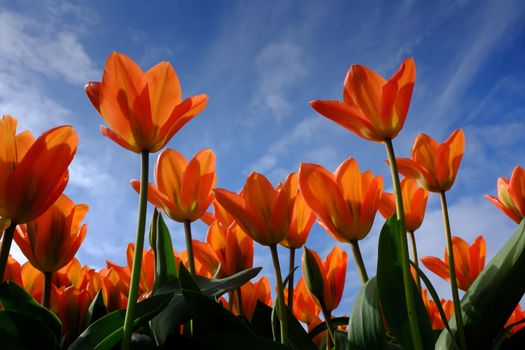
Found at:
<point>435,317</point>
<point>414,202</point>
<point>32,280</point>
<point>434,166</point>
<point>13,271</point>
<point>251,293</point>
<point>469,261</point>
<point>372,107</point>
<point>305,309</point>
<point>346,202</point>
<point>143,110</point>
<point>74,275</point>
<point>207,262</point>
<point>50,241</point>
<point>511,195</point>
<point>108,282</point>
<point>517,315</point>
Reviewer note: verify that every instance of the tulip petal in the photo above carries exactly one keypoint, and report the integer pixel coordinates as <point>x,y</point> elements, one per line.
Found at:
<point>363,86</point>
<point>437,266</point>
<point>169,172</point>
<point>164,92</point>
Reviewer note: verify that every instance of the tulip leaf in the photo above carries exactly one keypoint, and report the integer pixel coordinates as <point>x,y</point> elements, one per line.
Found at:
<point>167,323</point>
<point>13,298</point>
<point>262,320</point>
<point>15,328</point>
<point>392,291</point>
<point>106,332</point>
<point>492,297</point>
<point>218,287</point>
<point>96,309</point>
<point>366,329</point>
<point>186,279</point>
<point>237,342</point>
<point>336,321</point>
<point>165,266</point>
<point>211,316</point>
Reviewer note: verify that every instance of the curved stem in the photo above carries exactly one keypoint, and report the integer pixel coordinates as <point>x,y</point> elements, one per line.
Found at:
<point>416,260</point>
<point>409,295</point>
<point>452,270</point>
<point>359,261</point>
<point>282,311</point>
<point>137,258</point>
<point>240,307</point>
<point>328,319</point>
<point>6,247</point>
<point>290,281</point>
<point>46,295</point>
<point>189,247</point>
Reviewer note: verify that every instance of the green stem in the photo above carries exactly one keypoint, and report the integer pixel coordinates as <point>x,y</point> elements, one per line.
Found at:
<point>137,259</point>
<point>282,311</point>
<point>407,276</point>
<point>416,260</point>
<point>240,307</point>
<point>6,247</point>
<point>359,261</point>
<point>452,270</point>
<point>230,301</point>
<point>290,281</point>
<point>189,247</point>
<point>46,295</point>
<point>328,319</point>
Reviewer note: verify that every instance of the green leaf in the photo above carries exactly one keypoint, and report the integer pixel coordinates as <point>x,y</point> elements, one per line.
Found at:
<point>105,332</point>
<point>218,287</point>
<point>165,266</point>
<point>297,335</point>
<point>19,331</point>
<point>392,291</point>
<point>167,323</point>
<point>366,329</point>
<point>262,320</point>
<point>341,341</point>
<point>14,298</point>
<point>237,341</point>
<point>186,279</point>
<point>96,309</point>
<point>492,297</point>
<point>336,321</point>
<point>211,316</point>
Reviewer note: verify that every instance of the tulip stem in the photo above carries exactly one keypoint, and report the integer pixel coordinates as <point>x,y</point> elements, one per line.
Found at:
<point>240,307</point>
<point>414,253</point>
<point>452,270</point>
<point>46,295</point>
<point>137,258</point>
<point>283,317</point>
<point>359,261</point>
<point>328,320</point>
<point>189,247</point>
<point>290,281</point>
<point>5,248</point>
<point>409,295</point>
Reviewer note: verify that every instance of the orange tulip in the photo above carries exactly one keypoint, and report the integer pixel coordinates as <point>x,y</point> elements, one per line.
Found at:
<point>469,261</point>
<point>305,307</point>
<point>517,315</point>
<point>345,202</point>
<point>435,317</point>
<point>302,218</point>
<point>13,272</point>
<point>32,280</point>
<point>143,110</point>
<point>50,241</point>
<point>73,275</point>
<point>251,293</point>
<point>373,108</point>
<point>414,202</point>
<point>108,282</point>
<point>182,190</point>
<point>33,174</point>
<point>262,211</point>
<point>511,195</point>
<point>333,271</point>
<point>434,166</point>
<point>207,261</point>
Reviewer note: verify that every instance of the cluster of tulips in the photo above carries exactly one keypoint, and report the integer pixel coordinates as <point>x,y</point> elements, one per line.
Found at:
<point>203,297</point>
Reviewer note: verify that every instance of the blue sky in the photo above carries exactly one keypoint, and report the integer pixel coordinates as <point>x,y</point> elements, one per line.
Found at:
<point>260,63</point>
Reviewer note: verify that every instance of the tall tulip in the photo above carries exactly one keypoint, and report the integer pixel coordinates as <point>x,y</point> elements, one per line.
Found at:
<point>33,174</point>
<point>511,195</point>
<point>264,213</point>
<point>251,293</point>
<point>433,312</point>
<point>345,202</point>
<point>469,259</point>
<point>143,112</point>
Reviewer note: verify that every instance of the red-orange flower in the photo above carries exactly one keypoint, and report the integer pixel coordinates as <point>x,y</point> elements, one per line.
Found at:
<point>262,211</point>
<point>333,270</point>
<point>183,190</point>
<point>345,202</point>
<point>517,315</point>
<point>511,195</point>
<point>108,282</point>
<point>251,293</point>
<point>143,110</point>
<point>13,271</point>
<point>33,174</point>
<point>414,202</point>
<point>434,166</point>
<point>435,317</point>
<point>302,218</point>
<point>373,107</point>
<point>468,260</point>
<point>50,241</point>
<point>305,307</point>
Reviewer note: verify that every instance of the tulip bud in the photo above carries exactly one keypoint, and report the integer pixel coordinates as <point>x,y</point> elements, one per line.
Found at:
<point>312,275</point>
